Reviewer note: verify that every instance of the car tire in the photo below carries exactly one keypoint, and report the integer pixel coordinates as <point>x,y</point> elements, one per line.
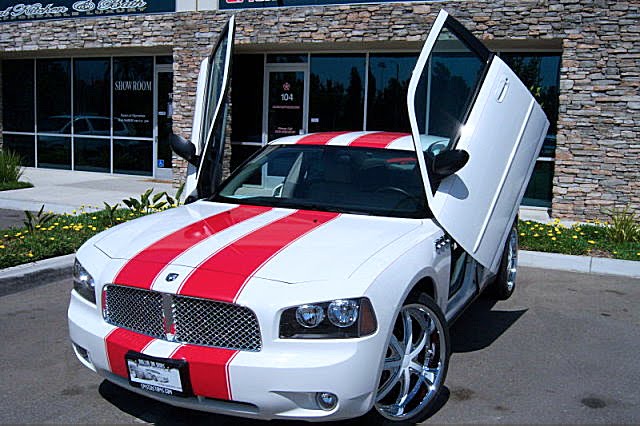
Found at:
<point>411,381</point>
<point>504,283</point>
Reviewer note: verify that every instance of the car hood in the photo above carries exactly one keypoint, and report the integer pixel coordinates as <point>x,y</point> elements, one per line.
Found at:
<point>277,244</point>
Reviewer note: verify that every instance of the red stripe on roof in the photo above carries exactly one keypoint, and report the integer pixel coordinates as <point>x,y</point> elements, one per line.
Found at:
<point>377,140</point>
<point>118,343</point>
<point>222,276</point>
<point>143,268</point>
<point>318,138</point>
<point>208,369</point>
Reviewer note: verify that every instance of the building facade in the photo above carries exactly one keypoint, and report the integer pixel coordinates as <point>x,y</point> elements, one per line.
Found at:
<point>101,88</point>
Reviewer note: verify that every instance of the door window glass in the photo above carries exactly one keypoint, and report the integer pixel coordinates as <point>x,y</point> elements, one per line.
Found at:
<point>133,95</point>
<point>336,92</point>
<point>389,76</point>
<point>92,94</point>
<point>17,96</point>
<point>447,87</point>
<point>214,84</point>
<point>286,103</point>
<point>165,121</point>
<point>53,79</point>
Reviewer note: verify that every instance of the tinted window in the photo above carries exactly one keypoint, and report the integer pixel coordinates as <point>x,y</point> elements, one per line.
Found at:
<point>389,76</point>
<point>92,94</point>
<point>54,95</point>
<point>133,157</point>
<point>17,96</point>
<point>54,152</point>
<point>22,145</point>
<point>246,98</point>
<point>331,178</point>
<point>92,154</point>
<point>133,94</point>
<point>336,100</point>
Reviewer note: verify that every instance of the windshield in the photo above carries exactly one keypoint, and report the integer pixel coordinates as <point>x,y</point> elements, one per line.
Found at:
<point>381,182</point>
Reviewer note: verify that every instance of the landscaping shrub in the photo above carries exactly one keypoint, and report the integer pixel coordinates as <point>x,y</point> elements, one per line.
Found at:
<point>10,166</point>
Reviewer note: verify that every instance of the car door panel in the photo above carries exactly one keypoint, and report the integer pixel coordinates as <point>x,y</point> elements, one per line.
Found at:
<point>502,130</point>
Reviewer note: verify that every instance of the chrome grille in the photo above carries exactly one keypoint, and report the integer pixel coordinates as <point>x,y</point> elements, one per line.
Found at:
<point>235,326</point>
<point>135,309</point>
<point>197,321</point>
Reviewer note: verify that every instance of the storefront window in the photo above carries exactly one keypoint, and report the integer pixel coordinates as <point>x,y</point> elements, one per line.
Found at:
<point>336,99</point>
<point>246,99</point>
<point>53,86</point>
<point>297,58</point>
<point>92,154</point>
<point>23,145</point>
<point>92,95</point>
<point>17,95</point>
<point>389,76</point>
<point>54,152</point>
<point>133,157</point>
<point>133,96</point>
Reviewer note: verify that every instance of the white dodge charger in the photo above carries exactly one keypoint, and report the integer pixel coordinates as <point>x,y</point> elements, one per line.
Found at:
<point>319,280</point>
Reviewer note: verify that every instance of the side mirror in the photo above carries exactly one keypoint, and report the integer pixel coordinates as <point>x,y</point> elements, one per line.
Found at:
<point>448,162</point>
<point>185,149</point>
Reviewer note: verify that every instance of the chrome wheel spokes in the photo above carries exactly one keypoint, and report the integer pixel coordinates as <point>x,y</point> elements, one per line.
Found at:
<point>413,365</point>
<point>512,260</point>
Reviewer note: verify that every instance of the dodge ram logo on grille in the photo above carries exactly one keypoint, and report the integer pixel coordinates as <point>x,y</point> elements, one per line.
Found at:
<point>171,277</point>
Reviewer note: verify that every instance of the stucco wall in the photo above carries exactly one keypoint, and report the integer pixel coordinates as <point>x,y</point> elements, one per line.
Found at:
<point>598,127</point>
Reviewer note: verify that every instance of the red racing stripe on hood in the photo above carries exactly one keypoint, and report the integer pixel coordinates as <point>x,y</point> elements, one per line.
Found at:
<point>377,140</point>
<point>244,257</point>
<point>143,268</point>
<point>118,343</point>
<point>208,369</point>
<point>318,138</point>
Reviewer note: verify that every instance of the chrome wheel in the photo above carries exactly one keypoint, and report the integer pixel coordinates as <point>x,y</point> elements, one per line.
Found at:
<point>512,260</point>
<point>415,363</point>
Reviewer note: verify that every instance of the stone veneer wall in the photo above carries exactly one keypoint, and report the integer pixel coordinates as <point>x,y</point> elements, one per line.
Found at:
<point>597,156</point>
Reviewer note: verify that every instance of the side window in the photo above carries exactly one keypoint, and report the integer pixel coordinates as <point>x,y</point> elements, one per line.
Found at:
<point>80,126</point>
<point>448,86</point>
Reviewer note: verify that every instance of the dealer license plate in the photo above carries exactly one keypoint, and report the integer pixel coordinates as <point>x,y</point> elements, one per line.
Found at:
<point>160,375</point>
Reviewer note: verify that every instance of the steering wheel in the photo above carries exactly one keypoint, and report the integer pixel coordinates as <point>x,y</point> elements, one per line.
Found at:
<point>407,195</point>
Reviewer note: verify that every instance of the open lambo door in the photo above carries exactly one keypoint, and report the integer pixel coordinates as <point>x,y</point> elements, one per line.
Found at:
<point>208,135</point>
<point>469,101</point>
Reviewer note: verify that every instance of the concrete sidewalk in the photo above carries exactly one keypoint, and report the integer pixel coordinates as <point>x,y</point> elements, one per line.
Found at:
<point>63,191</point>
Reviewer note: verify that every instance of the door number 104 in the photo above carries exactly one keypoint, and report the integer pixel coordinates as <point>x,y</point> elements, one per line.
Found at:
<point>286,96</point>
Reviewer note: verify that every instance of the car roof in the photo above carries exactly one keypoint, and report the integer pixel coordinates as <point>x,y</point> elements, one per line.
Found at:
<point>368,139</point>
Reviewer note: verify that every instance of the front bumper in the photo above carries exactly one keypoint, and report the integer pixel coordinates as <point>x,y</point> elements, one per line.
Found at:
<point>280,381</point>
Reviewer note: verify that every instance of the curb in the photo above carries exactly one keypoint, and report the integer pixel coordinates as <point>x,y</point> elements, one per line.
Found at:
<point>583,264</point>
<point>29,275</point>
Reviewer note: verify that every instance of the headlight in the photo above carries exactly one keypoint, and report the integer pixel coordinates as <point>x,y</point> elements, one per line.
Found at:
<point>336,319</point>
<point>83,282</point>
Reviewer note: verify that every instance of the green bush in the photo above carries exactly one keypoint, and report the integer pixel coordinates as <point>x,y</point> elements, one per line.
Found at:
<point>10,166</point>
<point>623,226</point>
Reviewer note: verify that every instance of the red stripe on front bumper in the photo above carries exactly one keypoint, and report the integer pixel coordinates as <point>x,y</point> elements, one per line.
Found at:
<point>208,370</point>
<point>118,343</point>
<point>142,269</point>
<point>222,276</point>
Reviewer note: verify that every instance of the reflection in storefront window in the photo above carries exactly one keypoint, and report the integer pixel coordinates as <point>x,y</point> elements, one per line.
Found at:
<point>92,154</point>
<point>17,95</point>
<point>133,157</point>
<point>54,152</point>
<point>337,92</point>
<point>246,99</point>
<point>92,94</point>
<point>389,76</point>
<point>133,96</point>
<point>54,96</point>
<point>23,145</point>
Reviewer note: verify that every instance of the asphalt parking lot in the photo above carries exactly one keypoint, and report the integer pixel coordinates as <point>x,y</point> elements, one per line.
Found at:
<point>564,349</point>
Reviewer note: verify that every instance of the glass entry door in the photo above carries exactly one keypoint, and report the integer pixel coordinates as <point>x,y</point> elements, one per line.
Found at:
<point>164,122</point>
<point>285,98</point>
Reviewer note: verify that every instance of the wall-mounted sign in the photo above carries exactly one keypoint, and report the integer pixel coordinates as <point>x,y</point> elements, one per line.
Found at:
<point>245,4</point>
<point>12,10</point>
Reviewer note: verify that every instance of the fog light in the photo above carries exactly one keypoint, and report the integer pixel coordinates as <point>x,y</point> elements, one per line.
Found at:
<point>326,400</point>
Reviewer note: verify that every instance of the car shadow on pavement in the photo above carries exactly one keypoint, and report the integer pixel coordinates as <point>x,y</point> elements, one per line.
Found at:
<point>481,325</point>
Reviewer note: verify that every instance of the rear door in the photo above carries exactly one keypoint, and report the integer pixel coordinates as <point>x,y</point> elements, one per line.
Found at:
<point>211,111</point>
<point>463,94</point>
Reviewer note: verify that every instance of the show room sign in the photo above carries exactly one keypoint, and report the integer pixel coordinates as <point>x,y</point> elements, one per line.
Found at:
<point>12,10</point>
